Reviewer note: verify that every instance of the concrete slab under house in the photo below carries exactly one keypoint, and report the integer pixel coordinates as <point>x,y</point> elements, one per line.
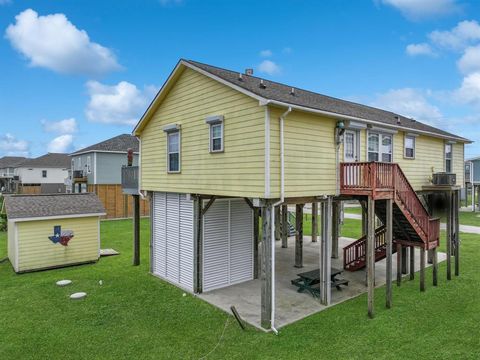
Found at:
<point>224,153</point>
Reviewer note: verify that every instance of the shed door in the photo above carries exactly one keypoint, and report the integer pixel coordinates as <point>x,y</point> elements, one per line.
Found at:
<point>227,244</point>
<point>172,238</point>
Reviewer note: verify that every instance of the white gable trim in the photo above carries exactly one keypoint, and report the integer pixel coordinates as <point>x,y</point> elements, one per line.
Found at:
<point>57,217</point>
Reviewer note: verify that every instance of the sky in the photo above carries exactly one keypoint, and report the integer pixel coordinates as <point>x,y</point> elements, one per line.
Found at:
<point>73,73</point>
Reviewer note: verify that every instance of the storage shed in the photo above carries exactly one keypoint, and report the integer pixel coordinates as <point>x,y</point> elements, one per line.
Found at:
<point>56,230</point>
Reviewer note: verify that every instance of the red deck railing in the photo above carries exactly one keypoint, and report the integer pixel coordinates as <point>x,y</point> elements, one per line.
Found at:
<point>354,253</point>
<point>369,178</point>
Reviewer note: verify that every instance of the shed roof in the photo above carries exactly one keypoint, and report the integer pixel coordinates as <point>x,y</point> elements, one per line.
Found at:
<point>120,143</point>
<point>11,161</point>
<point>52,205</point>
<point>54,160</point>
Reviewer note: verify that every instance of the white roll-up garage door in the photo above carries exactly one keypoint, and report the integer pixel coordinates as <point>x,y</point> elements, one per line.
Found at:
<point>172,235</point>
<point>227,244</point>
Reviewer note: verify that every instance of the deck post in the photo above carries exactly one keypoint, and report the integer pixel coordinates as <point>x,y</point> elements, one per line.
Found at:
<point>435,266</point>
<point>412,262</point>
<point>371,255</point>
<point>399,264</point>
<point>278,224</point>
<point>326,251</point>
<point>299,236</point>
<point>404,260</point>
<point>364,218</point>
<point>136,230</point>
<point>422,269</point>
<point>314,221</point>
<point>457,232</point>
<point>449,235</point>
<point>389,240</point>
<point>335,228</point>
<point>285,228</point>
<point>256,234</point>
<point>266,267</point>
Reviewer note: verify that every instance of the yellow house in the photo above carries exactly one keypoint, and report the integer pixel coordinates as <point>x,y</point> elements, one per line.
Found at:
<point>49,231</point>
<point>217,146</point>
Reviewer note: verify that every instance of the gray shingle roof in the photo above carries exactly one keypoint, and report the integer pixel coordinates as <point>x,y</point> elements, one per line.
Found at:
<point>32,206</point>
<point>118,143</point>
<point>280,92</point>
<point>11,161</point>
<point>54,160</point>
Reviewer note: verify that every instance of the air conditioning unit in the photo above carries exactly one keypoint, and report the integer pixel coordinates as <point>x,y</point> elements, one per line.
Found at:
<point>444,178</point>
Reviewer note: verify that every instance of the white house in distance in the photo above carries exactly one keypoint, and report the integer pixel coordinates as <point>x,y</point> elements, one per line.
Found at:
<point>8,165</point>
<point>44,174</point>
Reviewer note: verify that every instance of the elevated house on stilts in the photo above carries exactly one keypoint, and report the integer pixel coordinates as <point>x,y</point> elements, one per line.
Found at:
<point>220,150</point>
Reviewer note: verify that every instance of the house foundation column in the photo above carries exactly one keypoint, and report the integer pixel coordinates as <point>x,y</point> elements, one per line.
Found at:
<point>422,269</point>
<point>370,255</point>
<point>266,267</point>
<point>449,234</point>
<point>412,262</point>
<point>285,228</point>
<point>404,260</point>
<point>335,228</point>
<point>256,234</point>
<point>399,264</point>
<point>326,251</point>
<point>314,221</point>
<point>389,240</point>
<point>299,236</point>
<point>456,210</point>
<point>435,267</point>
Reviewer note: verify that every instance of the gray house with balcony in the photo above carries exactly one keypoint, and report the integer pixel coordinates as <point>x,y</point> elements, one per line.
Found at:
<point>472,180</point>
<point>8,176</point>
<point>98,169</point>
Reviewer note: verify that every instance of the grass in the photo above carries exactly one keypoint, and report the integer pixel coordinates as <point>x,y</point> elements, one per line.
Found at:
<point>136,315</point>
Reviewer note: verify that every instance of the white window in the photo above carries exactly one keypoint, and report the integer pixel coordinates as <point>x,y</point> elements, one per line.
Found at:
<point>89,164</point>
<point>379,147</point>
<point>73,164</point>
<point>44,173</point>
<point>173,151</point>
<point>409,151</point>
<point>216,137</point>
<point>448,158</point>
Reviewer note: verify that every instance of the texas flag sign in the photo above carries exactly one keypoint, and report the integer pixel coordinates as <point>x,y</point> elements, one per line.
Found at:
<point>59,236</point>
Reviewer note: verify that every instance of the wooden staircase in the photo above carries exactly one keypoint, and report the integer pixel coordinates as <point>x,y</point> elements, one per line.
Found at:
<point>412,225</point>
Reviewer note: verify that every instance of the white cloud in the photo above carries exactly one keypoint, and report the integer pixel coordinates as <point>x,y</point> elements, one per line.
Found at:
<point>60,144</point>
<point>266,53</point>
<point>420,49</point>
<point>53,42</point>
<point>469,92</point>
<point>66,126</point>
<point>465,33</point>
<point>420,9</point>
<point>410,103</point>
<point>12,146</point>
<point>470,60</point>
<point>269,67</point>
<point>121,104</point>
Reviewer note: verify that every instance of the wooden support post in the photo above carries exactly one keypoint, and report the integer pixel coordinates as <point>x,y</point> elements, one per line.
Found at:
<point>278,224</point>
<point>435,267</point>
<point>371,255</point>
<point>285,228</point>
<point>456,210</point>
<point>335,228</point>
<point>198,246</point>
<point>422,269</point>
<point>314,221</point>
<point>299,236</point>
<point>412,262</point>
<point>449,235</point>
<point>136,230</point>
<point>266,267</point>
<point>256,234</point>
<point>325,252</point>
<point>404,260</point>
<point>399,264</point>
<point>364,218</point>
<point>389,240</point>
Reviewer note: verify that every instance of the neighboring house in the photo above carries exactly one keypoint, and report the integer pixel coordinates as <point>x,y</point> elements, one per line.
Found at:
<point>45,174</point>
<point>8,179</point>
<point>97,168</point>
<point>217,144</point>
<point>472,179</point>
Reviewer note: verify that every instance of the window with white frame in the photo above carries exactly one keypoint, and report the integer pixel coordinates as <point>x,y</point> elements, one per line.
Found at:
<point>409,147</point>
<point>89,165</point>
<point>379,147</point>
<point>173,151</point>
<point>448,158</point>
<point>216,137</point>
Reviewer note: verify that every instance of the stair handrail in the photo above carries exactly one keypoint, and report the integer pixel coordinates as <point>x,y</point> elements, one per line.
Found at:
<point>357,249</point>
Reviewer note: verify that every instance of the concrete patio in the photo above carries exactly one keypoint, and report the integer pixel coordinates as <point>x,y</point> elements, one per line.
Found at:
<point>292,306</point>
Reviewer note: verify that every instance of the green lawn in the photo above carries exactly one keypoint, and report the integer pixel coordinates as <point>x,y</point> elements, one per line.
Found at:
<point>137,316</point>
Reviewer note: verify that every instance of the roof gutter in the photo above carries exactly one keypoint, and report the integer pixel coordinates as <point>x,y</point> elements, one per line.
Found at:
<point>354,118</point>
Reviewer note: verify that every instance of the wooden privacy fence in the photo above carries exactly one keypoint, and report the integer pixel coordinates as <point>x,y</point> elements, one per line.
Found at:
<point>117,204</point>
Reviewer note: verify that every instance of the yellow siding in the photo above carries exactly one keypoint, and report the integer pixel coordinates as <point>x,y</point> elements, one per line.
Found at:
<point>309,154</point>
<point>36,251</point>
<point>458,162</point>
<point>238,171</point>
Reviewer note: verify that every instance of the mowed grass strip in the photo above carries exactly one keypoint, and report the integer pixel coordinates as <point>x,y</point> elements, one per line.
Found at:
<point>136,315</point>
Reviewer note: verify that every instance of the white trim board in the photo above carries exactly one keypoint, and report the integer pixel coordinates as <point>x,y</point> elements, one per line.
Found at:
<point>57,217</point>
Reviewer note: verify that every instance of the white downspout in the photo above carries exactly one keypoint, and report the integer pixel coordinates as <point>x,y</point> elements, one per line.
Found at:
<point>282,199</point>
